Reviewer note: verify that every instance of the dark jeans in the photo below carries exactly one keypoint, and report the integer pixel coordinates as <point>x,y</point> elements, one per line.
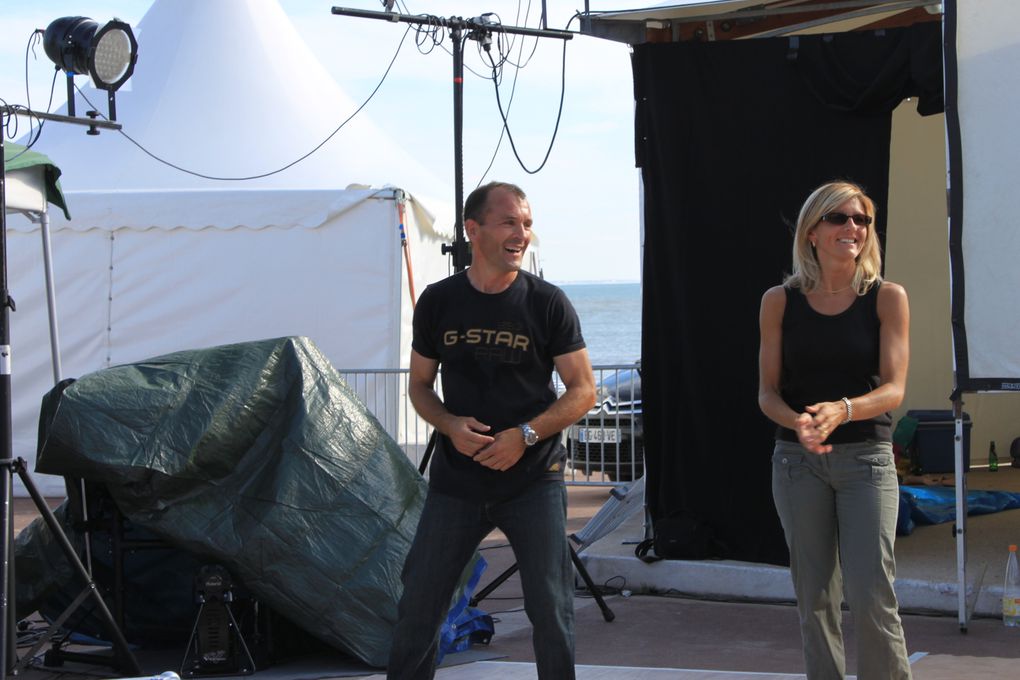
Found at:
<point>449,532</point>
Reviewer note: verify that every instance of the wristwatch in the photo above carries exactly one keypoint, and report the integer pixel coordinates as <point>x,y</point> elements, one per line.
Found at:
<point>530,436</point>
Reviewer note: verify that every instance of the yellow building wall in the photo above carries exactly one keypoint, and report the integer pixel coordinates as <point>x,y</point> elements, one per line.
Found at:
<point>917,256</point>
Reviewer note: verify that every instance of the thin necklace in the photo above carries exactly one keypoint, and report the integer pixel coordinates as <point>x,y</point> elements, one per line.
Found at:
<point>840,290</point>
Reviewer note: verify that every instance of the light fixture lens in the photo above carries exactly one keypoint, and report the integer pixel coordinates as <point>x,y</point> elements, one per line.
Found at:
<point>113,56</point>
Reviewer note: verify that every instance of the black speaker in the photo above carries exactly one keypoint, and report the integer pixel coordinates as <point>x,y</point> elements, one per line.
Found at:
<point>218,644</point>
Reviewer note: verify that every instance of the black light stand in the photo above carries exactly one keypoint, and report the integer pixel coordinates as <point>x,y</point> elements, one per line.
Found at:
<point>607,613</point>
<point>478,28</point>
<point>122,659</point>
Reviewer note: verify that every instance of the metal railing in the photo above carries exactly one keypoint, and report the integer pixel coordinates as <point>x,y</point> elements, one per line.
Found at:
<point>607,444</point>
<point>605,447</point>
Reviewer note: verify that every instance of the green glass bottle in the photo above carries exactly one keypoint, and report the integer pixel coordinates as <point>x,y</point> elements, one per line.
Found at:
<point>993,458</point>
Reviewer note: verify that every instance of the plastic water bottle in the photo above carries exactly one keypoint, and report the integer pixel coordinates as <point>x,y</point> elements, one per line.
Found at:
<point>1011,591</point>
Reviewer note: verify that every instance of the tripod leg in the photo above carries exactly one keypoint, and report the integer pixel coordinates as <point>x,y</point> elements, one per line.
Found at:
<point>429,448</point>
<point>126,658</point>
<point>51,631</point>
<point>607,613</point>
<point>244,645</point>
<point>496,583</point>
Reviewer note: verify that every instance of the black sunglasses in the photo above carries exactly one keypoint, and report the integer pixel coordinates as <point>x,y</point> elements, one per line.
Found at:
<point>839,218</point>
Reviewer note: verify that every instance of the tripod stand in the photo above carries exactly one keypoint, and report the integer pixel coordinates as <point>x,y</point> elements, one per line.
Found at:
<point>607,613</point>
<point>122,658</point>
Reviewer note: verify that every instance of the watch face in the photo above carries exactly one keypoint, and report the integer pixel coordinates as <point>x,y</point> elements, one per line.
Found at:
<point>530,436</point>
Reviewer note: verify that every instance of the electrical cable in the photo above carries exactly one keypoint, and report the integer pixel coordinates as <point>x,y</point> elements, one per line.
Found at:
<point>513,90</point>
<point>9,125</point>
<point>10,121</point>
<point>36,38</point>
<point>271,172</point>
<point>534,47</point>
<point>606,589</point>
<point>32,116</point>
<point>431,31</point>
<point>466,67</point>
<point>433,34</point>
<point>559,114</point>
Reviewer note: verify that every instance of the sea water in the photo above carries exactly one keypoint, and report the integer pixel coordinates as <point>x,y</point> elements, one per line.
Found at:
<point>610,316</point>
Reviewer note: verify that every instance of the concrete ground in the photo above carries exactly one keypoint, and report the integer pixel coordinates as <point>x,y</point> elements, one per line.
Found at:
<point>669,637</point>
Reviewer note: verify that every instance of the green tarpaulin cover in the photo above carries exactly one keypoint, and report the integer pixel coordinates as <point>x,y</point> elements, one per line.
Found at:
<point>256,456</point>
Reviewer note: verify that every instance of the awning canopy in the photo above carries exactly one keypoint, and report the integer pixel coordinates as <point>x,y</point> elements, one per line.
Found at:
<point>735,19</point>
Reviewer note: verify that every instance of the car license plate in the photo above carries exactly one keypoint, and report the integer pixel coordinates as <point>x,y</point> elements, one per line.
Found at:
<point>598,435</point>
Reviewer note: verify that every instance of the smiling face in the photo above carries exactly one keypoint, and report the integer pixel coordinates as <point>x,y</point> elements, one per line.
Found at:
<point>499,241</point>
<point>841,241</point>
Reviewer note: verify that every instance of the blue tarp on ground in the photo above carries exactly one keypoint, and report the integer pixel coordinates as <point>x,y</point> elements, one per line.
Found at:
<point>936,505</point>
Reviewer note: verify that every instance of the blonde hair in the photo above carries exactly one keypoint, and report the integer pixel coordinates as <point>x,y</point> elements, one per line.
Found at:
<point>807,272</point>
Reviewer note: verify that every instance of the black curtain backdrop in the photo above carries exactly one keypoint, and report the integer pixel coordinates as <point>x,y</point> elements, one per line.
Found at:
<point>731,137</point>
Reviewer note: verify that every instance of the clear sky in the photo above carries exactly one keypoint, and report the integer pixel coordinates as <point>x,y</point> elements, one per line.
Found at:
<point>585,200</point>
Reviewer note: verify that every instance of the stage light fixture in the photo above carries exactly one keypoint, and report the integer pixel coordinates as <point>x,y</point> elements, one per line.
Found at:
<point>107,54</point>
<point>79,46</point>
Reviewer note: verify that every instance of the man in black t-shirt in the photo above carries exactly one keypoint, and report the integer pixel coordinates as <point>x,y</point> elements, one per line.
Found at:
<point>497,333</point>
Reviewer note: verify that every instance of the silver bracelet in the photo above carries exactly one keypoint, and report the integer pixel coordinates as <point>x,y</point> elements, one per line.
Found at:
<point>849,411</point>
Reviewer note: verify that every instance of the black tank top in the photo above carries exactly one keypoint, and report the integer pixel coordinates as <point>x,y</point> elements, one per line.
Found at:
<point>827,357</point>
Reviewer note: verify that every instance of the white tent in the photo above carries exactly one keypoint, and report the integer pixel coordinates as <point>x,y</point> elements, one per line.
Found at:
<point>229,89</point>
<point>156,260</point>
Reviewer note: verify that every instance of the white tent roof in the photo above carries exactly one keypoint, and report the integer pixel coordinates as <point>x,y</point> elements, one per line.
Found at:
<point>232,208</point>
<point>229,89</point>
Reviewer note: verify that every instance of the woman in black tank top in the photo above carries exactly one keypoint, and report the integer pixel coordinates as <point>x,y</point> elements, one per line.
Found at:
<point>833,365</point>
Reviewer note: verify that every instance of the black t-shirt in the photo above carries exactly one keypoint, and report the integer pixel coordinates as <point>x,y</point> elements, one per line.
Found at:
<point>828,357</point>
<point>496,361</point>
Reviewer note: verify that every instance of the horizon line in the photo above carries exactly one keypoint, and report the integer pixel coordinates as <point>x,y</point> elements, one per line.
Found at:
<point>587,282</point>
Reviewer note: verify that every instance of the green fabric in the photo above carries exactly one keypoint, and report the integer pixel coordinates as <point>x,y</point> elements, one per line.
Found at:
<point>257,456</point>
<point>17,157</point>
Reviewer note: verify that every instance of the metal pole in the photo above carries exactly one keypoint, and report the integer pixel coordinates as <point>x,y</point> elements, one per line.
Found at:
<point>476,28</point>
<point>51,298</point>
<point>960,526</point>
<point>460,251</point>
<point>7,641</point>
<point>6,442</point>
<point>7,612</point>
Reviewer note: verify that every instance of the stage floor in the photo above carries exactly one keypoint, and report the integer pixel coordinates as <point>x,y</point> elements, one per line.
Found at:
<point>673,636</point>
